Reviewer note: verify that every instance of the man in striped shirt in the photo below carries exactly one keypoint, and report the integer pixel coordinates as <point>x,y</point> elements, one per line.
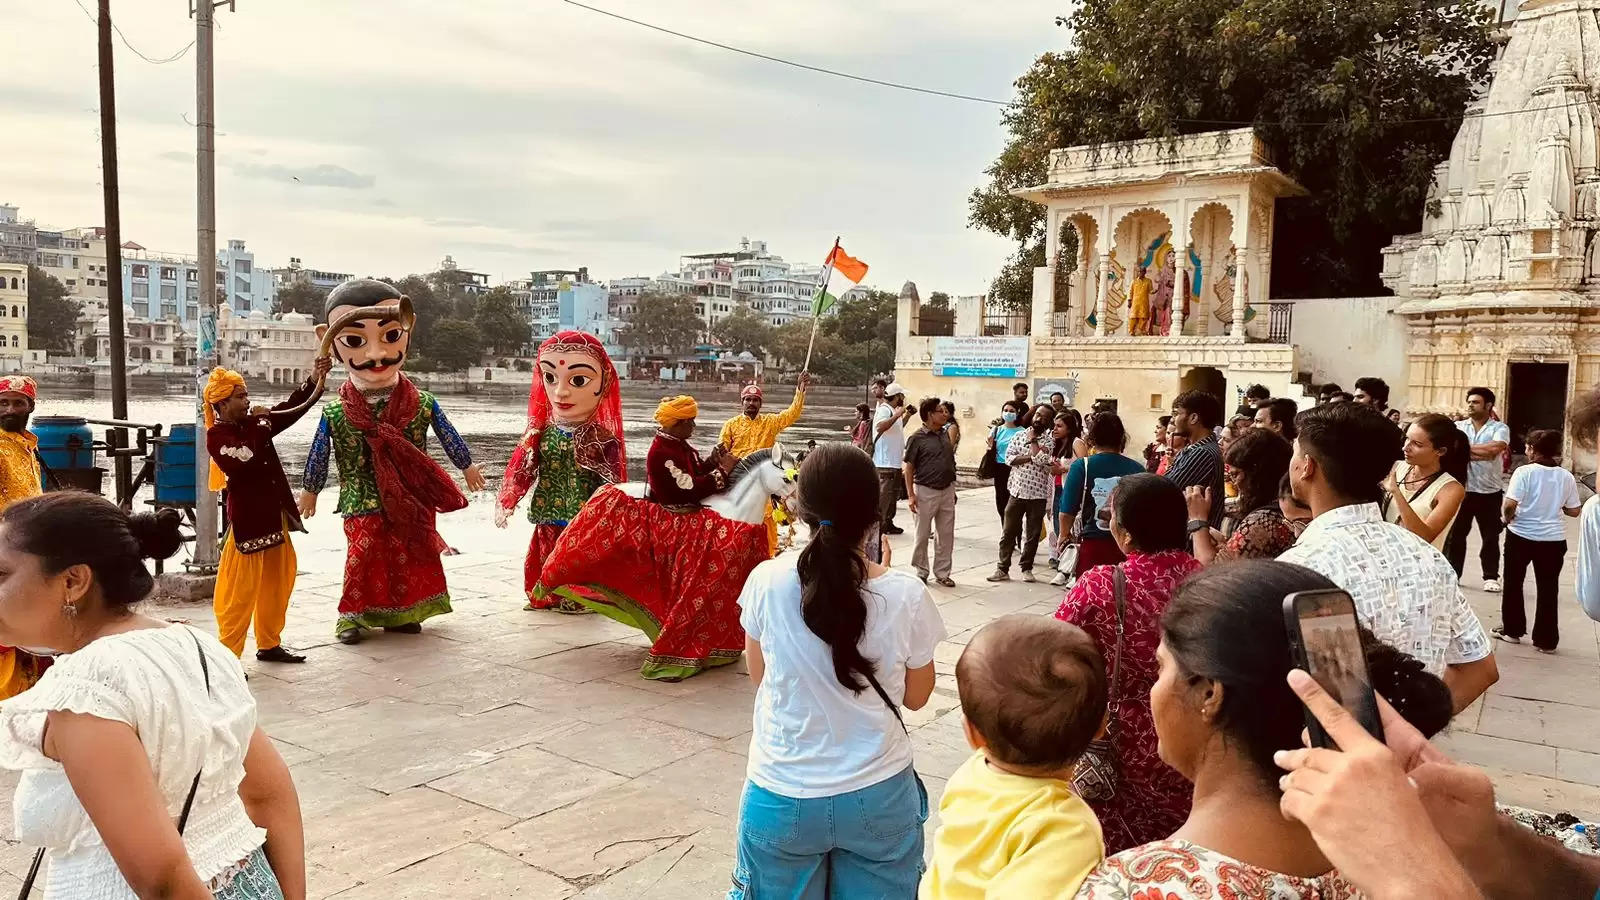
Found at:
<point>1197,414</point>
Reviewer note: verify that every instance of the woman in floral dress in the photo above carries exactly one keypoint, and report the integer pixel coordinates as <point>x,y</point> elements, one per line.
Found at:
<point>1255,464</point>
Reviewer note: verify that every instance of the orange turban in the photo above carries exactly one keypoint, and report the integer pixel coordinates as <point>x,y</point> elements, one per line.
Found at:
<point>219,387</point>
<point>676,409</point>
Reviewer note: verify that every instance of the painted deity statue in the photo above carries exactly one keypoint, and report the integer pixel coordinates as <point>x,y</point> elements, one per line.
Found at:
<point>390,489</point>
<point>572,446</point>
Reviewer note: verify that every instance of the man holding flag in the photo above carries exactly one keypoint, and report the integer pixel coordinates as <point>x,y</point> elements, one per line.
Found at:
<point>754,430</point>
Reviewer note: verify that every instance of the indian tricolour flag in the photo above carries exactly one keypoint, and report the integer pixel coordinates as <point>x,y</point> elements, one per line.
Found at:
<point>844,272</point>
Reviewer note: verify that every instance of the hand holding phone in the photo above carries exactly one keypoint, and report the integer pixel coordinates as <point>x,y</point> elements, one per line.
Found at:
<point>1325,639</point>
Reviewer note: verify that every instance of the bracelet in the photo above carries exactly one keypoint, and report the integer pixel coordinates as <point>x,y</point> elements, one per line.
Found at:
<point>1197,525</point>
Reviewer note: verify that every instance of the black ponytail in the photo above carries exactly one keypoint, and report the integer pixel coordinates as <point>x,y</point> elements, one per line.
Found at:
<point>839,501</point>
<point>71,528</point>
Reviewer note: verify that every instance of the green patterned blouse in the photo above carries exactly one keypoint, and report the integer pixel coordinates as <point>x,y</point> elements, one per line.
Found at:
<point>358,487</point>
<point>563,487</point>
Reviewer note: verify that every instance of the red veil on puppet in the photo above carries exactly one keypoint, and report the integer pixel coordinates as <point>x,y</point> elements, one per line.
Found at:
<point>573,445</point>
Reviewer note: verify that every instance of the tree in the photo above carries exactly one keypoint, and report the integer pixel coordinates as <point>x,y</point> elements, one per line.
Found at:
<point>744,330</point>
<point>300,297</point>
<point>504,327</point>
<point>938,300</point>
<point>52,315</point>
<point>429,310</point>
<point>455,346</point>
<point>1359,98</point>
<point>867,323</point>
<point>663,323</point>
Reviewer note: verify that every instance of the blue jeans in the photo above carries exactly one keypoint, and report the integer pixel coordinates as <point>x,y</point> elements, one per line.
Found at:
<point>864,845</point>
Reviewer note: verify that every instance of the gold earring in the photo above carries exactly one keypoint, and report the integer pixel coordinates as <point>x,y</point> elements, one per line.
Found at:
<point>69,610</point>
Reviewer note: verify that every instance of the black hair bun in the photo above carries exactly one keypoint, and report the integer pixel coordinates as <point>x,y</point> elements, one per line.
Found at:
<point>1420,697</point>
<point>157,533</point>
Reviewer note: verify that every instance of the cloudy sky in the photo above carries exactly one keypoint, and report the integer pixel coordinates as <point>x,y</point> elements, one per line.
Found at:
<point>376,136</point>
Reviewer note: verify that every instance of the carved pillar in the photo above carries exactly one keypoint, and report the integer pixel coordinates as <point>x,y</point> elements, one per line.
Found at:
<point>1180,259</point>
<point>1104,298</point>
<point>1241,299</point>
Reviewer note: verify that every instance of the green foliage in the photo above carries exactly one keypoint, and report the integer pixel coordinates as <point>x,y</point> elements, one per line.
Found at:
<point>938,300</point>
<point>52,315</point>
<point>1360,99</point>
<point>504,327</point>
<point>744,330</point>
<point>455,346</point>
<point>663,323</point>
<point>300,297</point>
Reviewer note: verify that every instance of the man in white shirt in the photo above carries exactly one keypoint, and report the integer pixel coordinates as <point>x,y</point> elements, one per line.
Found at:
<point>1485,488</point>
<point>1402,587</point>
<point>888,454</point>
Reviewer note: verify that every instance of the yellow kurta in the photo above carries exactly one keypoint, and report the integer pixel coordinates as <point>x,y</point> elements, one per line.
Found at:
<point>19,480</point>
<point>743,436</point>
<point>1139,305</point>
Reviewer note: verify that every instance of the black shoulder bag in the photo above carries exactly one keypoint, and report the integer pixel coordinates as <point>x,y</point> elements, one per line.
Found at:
<point>188,802</point>
<point>989,466</point>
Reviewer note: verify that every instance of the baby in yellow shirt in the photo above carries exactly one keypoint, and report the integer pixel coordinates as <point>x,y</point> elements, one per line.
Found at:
<point>1033,691</point>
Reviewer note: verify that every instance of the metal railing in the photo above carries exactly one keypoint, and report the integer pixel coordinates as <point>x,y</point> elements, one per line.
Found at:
<point>1006,323</point>
<point>1280,321</point>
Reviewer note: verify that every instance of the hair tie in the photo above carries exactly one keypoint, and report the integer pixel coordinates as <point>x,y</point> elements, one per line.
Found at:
<point>824,523</point>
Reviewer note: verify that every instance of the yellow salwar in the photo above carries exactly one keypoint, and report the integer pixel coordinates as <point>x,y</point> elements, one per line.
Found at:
<point>254,585</point>
<point>18,672</point>
<point>743,436</point>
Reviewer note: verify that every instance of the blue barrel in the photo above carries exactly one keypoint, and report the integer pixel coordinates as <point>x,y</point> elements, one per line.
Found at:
<point>175,466</point>
<point>65,442</point>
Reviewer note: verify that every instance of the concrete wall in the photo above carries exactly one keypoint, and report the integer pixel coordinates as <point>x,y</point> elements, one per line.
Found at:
<point>1345,338</point>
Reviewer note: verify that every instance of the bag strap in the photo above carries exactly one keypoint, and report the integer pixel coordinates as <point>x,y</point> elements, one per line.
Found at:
<point>188,802</point>
<point>886,701</point>
<point>1114,701</point>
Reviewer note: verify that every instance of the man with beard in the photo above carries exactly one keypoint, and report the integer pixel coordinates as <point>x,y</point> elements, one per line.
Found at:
<point>744,434</point>
<point>390,490</point>
<point>19,480</point>
<point>258,567</point>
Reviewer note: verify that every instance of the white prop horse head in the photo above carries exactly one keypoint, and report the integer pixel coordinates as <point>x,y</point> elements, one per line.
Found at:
<point>760,475</point>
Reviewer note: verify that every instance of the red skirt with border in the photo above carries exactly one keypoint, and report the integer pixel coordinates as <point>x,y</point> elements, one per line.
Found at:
<point>388,581</point>
<point>676,576</point>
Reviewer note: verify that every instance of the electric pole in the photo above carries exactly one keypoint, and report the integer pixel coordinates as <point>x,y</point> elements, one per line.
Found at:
<point>108,180</point>
<point>207,353</point>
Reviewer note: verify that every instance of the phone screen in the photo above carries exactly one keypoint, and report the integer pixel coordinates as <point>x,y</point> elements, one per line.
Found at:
<point>1328,643</point>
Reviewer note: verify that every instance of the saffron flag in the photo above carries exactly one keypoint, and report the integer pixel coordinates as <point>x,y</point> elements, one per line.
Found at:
<point>844,272</point>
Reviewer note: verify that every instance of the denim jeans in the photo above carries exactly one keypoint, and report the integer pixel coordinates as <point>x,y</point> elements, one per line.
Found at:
<point>864,845</point>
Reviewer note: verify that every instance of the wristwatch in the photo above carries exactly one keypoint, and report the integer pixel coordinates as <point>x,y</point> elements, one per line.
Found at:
<point>1197,525</point>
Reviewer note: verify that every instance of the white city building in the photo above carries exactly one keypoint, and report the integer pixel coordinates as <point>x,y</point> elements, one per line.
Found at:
<point>277,349</point>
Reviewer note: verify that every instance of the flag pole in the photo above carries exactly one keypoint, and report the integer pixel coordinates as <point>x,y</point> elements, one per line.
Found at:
<point>816,317</point>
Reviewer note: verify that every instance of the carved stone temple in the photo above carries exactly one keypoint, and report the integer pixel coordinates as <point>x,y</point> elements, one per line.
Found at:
<point>1502,286</point>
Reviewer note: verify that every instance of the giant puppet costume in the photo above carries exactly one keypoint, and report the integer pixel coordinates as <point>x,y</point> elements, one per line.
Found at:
<point>390,490</point>
<point>673,565</point>
<point>573,445</point>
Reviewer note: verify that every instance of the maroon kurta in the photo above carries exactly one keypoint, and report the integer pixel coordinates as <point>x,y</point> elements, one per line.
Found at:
<point>1152,800</point>
<point>259,500</point>
<point>676,474</point>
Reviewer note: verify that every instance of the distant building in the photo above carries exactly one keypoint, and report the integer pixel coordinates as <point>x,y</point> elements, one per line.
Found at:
<point>471,282</point>
<point>77,258</point>
<point>318,278</point>
<point>150,343</point>
<point>19,238</point>
<point>13,315</point>
<point>167,285</point>
<point>277,349</point>
<point>563,300</point>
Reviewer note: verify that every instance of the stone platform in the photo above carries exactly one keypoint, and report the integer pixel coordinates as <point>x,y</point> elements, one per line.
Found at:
<point>505,753</point>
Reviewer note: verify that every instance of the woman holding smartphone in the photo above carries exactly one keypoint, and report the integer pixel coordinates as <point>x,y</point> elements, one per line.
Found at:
<point>1222,709</point>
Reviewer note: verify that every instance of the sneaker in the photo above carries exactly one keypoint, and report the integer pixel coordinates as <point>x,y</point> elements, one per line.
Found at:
<point>1027,576</point>
<point>947,582</point>
<point>1491,585</point>
<point>1060,580</point>
<point>1499,633</point>
<point>999,576</point>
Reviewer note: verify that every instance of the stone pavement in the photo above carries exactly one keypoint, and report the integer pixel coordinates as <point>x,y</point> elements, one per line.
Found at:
<point>505,753</point>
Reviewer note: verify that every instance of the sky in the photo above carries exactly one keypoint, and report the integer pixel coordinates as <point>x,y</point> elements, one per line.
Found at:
<point>377,136</point>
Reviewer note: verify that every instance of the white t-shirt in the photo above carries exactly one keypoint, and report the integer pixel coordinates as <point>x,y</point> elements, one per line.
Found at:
<point>1589,557</point>
<point>812,737</point>
<point>1541,493</point>
<point>890,450</point>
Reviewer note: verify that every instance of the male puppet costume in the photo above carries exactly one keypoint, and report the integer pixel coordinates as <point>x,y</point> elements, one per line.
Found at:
<point>572,446</point>
<point>390,490</point>
<point>258,566</point>
<point>19,480</point>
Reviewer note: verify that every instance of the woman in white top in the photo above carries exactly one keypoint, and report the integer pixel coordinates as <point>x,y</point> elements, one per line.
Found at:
<point>1425,490</point>
<point>124,730</point>
<point>835,644</point>
<point>1540,493</point>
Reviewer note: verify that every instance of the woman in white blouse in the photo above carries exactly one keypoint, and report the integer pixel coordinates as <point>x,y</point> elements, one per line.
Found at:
<point>136,719</point>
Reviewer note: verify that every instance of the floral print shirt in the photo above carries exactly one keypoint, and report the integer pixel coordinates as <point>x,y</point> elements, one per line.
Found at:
<point>1263,533</point>
<point>1179,870</point>
<point>1152,799</point>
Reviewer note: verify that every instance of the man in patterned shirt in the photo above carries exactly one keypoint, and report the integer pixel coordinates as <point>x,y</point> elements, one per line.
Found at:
<point>1030,484</point>
<point>1403,588</point>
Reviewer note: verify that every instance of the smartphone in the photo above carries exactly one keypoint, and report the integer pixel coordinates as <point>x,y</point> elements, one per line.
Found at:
<point>1325,641</point>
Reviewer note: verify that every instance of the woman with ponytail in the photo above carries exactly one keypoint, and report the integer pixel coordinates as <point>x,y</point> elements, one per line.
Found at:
<point>836,645</point>
<point>143,771</point>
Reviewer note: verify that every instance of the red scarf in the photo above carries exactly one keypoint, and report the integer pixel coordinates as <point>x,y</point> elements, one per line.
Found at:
<point>411,485</point>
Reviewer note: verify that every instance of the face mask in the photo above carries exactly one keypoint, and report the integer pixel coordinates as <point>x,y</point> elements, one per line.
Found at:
<point>1008,417</point>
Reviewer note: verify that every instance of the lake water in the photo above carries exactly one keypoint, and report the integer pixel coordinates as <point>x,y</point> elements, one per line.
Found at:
<point>491,426</point>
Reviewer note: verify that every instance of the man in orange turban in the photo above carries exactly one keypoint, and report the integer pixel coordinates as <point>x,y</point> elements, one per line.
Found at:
<point>19,480</point>
<point>258,566</point>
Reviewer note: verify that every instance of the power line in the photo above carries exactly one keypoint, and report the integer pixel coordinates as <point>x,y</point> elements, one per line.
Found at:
<point>1235,123</point>
<point>789,62</point>
<point>129,44</point>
